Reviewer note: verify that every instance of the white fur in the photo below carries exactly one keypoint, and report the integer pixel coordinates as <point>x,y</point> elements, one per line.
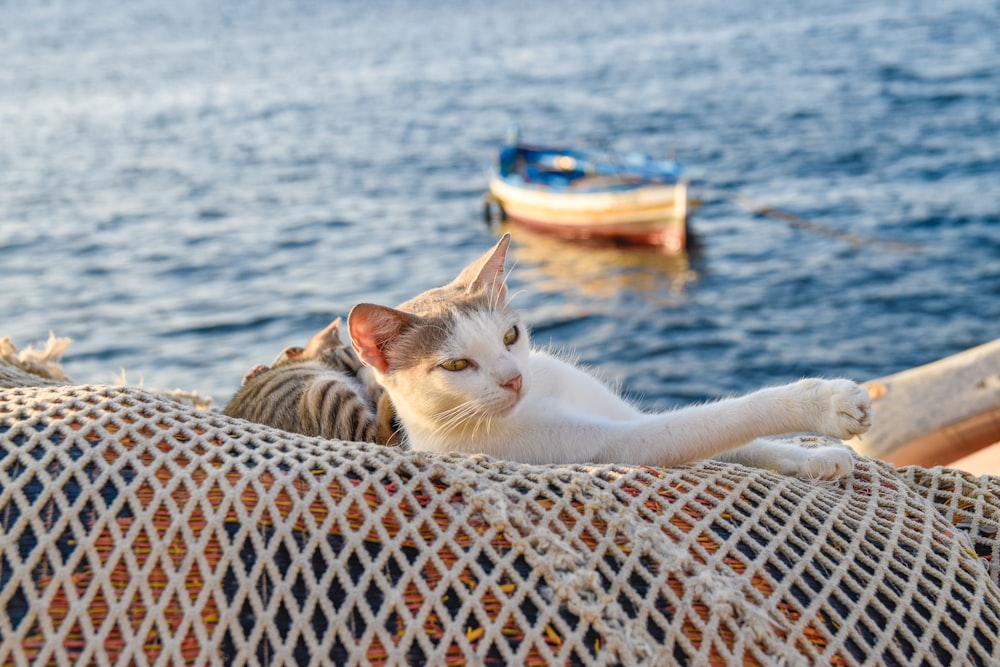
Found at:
<point>565,415</point>
<point>561,414</point>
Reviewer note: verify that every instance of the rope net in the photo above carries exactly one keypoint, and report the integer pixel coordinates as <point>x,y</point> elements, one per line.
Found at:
<point>135,529</point>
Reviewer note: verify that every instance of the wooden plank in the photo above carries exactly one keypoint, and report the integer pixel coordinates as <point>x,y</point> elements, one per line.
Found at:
<point>937,413</point>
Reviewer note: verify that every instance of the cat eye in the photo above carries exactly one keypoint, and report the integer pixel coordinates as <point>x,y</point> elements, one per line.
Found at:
<point>455,365</point>
<point>510,337</point>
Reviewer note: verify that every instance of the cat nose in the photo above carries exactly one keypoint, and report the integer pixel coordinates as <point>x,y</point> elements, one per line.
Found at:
<point>514,384</point>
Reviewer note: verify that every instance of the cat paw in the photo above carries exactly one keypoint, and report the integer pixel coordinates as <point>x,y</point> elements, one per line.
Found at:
<point>826,463</point>
<point>845,407</point>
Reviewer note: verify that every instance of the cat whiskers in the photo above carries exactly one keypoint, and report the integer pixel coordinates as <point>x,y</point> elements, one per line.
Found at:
<point>459,417</point>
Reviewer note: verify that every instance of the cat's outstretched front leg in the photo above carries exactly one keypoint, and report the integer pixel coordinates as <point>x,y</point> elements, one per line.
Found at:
<point>836,408</point>
<point>842,408</point>
<point>790,458</point>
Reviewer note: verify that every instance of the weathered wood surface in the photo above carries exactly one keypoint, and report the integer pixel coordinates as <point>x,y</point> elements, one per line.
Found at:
<point>937,413</point>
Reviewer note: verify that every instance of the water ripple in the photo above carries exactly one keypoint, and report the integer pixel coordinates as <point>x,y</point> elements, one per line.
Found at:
<point>187,204</point>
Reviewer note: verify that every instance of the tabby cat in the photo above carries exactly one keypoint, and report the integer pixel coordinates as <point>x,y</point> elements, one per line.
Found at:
<point>322,389</point>
<point>458,365</point>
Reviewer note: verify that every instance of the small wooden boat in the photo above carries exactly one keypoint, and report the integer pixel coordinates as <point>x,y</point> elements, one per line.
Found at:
<point>589,194</point>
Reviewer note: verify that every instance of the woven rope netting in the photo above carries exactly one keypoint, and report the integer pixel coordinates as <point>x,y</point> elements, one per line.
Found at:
<point>139,530</point>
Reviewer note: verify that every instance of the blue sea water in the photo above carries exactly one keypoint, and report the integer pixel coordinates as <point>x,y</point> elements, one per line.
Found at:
<point>186,188</point>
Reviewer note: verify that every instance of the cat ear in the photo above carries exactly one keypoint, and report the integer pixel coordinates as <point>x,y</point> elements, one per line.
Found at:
<point>373,329</point>
<point>326,339</point>
<point>486,273</point>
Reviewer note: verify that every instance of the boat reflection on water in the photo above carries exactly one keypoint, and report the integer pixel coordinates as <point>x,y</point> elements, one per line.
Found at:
<point>554,265</point>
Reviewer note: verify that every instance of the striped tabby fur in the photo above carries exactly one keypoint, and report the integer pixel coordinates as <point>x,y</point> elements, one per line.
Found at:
<point>320,390</point>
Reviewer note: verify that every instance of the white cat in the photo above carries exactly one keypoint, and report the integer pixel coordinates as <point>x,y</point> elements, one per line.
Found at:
<point>458,365</point>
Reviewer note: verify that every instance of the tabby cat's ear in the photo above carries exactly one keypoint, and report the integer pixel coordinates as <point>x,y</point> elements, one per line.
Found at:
<point>374,329</point>
<point>327,339</point>
<point>486,273</point>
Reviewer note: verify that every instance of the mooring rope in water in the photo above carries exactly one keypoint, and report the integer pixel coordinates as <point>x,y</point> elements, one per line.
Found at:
<point>812,226</point>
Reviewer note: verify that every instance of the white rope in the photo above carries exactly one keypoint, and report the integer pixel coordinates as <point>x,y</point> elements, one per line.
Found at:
<point>135,529</point>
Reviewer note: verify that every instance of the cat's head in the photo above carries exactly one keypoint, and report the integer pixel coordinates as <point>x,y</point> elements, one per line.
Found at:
<point>454,356</point>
